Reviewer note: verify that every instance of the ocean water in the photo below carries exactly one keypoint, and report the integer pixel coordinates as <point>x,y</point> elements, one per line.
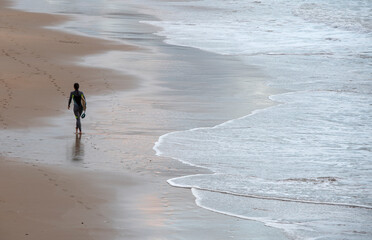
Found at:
<point>304,165</point>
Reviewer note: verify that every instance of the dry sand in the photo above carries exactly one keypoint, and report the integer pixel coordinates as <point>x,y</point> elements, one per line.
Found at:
<point>76,201</point>
<point>36,71</point>
<point>37,67</point>
<point>41,203</point>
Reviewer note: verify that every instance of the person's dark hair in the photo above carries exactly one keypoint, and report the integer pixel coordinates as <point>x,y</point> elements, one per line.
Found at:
<point>76,86</point>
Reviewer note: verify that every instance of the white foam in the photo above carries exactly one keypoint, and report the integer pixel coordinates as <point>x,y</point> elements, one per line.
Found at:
<point>313,224</point>
<point>313,148</point>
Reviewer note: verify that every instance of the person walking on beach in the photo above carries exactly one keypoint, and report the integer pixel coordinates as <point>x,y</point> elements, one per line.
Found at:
<point>79,105</point>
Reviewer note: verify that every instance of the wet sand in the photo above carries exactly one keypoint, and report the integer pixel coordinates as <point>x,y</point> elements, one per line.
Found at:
<point>37,67</point>
<point>108,184</point>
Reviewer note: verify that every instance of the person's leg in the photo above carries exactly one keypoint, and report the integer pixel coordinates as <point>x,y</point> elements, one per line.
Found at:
<point>78,124</point>
<point>77,113</point>
<point>80,112</point>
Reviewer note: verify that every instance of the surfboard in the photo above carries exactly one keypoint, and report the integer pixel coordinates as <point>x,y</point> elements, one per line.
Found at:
<point>84,103</point>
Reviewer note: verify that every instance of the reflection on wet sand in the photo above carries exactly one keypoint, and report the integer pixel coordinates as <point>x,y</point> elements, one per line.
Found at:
<point>153,208</point>
<point>78,149</point>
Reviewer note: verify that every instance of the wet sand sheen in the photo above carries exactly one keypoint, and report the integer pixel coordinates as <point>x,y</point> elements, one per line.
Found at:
<point>79,200</point>
<point>36,60</point>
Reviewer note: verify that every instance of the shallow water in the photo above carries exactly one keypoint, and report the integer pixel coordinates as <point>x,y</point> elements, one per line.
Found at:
<point>306,161</point>
<point>313,150</point>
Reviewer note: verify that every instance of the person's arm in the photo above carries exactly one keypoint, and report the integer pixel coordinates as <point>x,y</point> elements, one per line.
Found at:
<point>69,101</point>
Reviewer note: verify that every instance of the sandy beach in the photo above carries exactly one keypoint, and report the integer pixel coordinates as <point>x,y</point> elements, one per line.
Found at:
<point>108,183</point>
<point>30,66</point>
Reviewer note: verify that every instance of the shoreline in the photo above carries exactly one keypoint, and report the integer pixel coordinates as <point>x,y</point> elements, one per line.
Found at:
<point>153,209</point>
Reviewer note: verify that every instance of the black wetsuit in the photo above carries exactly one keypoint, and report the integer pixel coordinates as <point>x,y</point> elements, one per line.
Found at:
<point>78,107</point>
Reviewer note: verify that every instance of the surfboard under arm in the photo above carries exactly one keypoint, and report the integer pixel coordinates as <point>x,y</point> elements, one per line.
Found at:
<point>84,103</point>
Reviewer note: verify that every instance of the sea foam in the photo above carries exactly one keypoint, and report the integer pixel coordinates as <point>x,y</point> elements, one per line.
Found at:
<point>309,155</point>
